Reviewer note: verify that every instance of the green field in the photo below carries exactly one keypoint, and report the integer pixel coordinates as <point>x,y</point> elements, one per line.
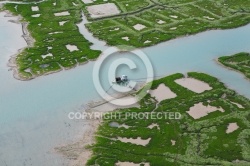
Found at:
<point>162,20</point>
<point>201,141</point>
<point>239,62</point>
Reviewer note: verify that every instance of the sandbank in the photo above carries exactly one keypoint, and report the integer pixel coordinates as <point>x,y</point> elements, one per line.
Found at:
<point>77,153</point>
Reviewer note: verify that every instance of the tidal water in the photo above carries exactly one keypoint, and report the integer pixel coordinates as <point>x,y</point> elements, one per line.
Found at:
<point>34,114</point>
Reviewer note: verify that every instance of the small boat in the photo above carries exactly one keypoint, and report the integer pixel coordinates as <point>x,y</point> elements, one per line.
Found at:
<point>121,80</point>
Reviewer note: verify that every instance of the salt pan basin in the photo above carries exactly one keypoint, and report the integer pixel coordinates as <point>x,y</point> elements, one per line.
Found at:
<point>137,141</point>
<point>232,127</point>
<point>72,48</point>
<point>199,110</point>
<point>193,84</point>
<point>162,93</point>
<point>102,10</point>
<point>130,164</point>
<point>66,13</point>
<point>87,1</point>
<point>139,27</point>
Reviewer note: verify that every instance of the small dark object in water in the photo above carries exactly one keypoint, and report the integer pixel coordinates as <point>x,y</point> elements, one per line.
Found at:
<point>118,79</point>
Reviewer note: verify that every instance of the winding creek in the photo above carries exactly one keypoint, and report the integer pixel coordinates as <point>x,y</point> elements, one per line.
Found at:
<point>34,114</point>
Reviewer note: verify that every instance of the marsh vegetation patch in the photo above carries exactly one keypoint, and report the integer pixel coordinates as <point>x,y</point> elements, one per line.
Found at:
<point>239,62</point>
<point>143,23</point>
<point>164,20</point>
<point>196,141</point>
<point>53,26</point>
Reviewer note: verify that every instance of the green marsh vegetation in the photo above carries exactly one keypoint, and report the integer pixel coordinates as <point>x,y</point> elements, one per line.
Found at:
<point>166,19</point>
<point>239,62</point>
<point>161,20</point>
<point>201,141</point>
<point>52,33</point>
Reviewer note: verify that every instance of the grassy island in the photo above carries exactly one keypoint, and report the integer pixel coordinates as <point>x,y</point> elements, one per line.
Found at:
<point>218,137</point>
<point>148,22</point>
<point>239,62</point>
<point>59,45</point>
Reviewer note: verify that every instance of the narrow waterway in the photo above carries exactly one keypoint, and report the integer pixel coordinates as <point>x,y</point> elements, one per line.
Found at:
<point>34,114</point>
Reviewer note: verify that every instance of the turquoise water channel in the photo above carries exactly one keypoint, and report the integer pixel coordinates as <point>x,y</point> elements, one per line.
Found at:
<point>34,114</point>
